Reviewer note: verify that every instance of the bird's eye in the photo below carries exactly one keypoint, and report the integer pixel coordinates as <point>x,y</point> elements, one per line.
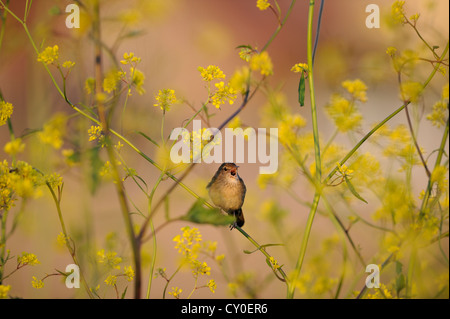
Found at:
<point>225,169</point>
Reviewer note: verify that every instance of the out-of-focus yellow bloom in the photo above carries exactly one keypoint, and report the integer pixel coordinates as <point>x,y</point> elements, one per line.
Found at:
<point>398,12</point>
<point>411,91</point>
<point>111,280</point>
<point>14,147</point>
<point>53,131</point>
<point>109,259</point>
<point>356,88</point>
<point>262,62</point>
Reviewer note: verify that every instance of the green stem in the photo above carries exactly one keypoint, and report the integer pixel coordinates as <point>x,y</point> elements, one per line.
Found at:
<point>318,173</point>
<point>57,200</point>
<point>280,26</point>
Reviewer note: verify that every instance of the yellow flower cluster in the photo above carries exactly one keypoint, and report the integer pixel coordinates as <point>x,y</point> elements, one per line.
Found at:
<point>211,72</point>
<point>19,181</point>
<point>54,130</point>
<point>398,12</point>
<point>165,99</point>
<point>136,77</point>
<point>439,114</point>
<point>300,67</point>
<point>49,55</point>
<point>176,292</point>
<point>356,88</point>
<point>262,4</point>
<point>4,291</point>
<point>189,244</point>
<point>222,94</point>
<point>14,147</point>
<point>112,262</point>
<point>37,283</point>
<point>344,113</point>
<point>109,259</point>
<point>6,110</point>
<point>410,91</point>
<point>95,132</point>
<point>261,62</point>
<point>27,259</point>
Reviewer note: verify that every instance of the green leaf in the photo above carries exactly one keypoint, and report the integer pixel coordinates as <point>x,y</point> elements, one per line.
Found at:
<point>301,90</point>
<point>200,214</point>
<point>147,137</point>
<point>353,190</point>
<point>124,293</point>
<point>248,252</point>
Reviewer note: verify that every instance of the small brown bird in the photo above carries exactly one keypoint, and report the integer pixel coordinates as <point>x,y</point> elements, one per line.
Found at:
<point>227,191</point>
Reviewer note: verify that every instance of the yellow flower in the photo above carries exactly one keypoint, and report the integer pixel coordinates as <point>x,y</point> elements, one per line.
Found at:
<point>356,88</point>
<point>438,116</point>
<point>344,113</point>
<point>235,122</point>
<point>274,263</point>
<point>49,55</point>
<point>68,64</point>
<point>398,13</point>
<point>165,99</point>
<point>61,239</point>
<point>37,283</point>
<point>391,51</point>
<point>411,91</point>
<point>109,259</point>
<point>176,292</point>
<point>445,92</point>
<point>212,285</point>
<point>129,273</point>
<point>138,80</point>
<point>54,180</point>
<point>111,80</point>
<point>89,85</point>
<point>262,4</point>
<point>27,259</point>
<point>245,53</point>
<point>129,58</point>
<point>300,67</point>
<point>223,94</point>
<point>439,176</point>
<point>14,147</point>
<point>54,131</point>
<point>239,80</point>
<point>95,132</point>
<point>4,290</point>
<point>111,280</point>
<point>262,62</point>
<point>344,170</point>
<point>414,18</point>
<point>212,72</point>
<point>6,110</point>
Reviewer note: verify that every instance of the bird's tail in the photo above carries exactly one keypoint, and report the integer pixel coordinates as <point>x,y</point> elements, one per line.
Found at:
<point>239,215</point>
